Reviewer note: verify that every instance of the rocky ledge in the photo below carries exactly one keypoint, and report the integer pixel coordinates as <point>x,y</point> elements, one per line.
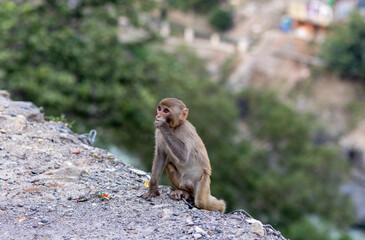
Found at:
<point>53,185</point>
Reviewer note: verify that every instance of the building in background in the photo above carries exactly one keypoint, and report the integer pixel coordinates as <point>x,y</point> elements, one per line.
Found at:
<point>310,18</point>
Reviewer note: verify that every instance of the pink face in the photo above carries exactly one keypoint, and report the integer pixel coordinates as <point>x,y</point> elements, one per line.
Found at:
<point>162,112</point>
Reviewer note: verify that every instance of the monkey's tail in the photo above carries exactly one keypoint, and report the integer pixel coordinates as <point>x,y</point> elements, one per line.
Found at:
<point>216,204</point>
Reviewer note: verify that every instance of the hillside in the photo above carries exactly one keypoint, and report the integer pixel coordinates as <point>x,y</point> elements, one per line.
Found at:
<point>51,180</point>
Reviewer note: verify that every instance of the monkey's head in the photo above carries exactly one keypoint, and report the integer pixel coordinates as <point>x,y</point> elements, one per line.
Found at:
<point>173,111</point>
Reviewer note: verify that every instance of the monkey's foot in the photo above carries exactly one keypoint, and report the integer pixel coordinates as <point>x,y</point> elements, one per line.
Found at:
<point>150,194</point>
<point>179,194</point>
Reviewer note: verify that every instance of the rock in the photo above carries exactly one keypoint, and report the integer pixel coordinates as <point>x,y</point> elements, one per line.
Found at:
<point>49,197</point>
<point>27,109</point>
<point>166,214</point>
<point>20,204</point>
<point>256,227</point>
<point>76,151</point>
<point>218,229</point>
<point>11,181</point>
<point>5,94</point>
<point>199,230</point>
<point>37,171</point>
<point>19,124</point>
<point>138,172</point>
<point>44,220</point>
<point>189,221</point>
<point>239,232</point>
<point>197,235</point>
<point>68,213</point>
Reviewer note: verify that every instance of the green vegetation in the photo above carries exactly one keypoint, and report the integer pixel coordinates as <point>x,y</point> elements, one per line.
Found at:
<point>68,59</point>
<point>221,20</point>
<point>284,171</point>
<point>201,6</point>
<point>62,118</point>
<point>220,16</point>
<point>344,50</point>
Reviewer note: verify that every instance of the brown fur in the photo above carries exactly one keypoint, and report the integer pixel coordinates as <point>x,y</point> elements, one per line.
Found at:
<point>180,150</point>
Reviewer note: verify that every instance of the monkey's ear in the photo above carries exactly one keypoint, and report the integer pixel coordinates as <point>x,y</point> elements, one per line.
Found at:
<point>184,114</point>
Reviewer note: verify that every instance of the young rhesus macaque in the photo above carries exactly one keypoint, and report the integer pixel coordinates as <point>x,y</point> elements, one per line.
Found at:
<point>182,153</point>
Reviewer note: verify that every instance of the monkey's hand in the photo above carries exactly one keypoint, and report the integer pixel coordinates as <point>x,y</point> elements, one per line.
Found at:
<point>159,122</point>
<point>151,194</point>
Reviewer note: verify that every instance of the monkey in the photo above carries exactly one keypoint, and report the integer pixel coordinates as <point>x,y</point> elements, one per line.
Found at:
<point>181,152</point>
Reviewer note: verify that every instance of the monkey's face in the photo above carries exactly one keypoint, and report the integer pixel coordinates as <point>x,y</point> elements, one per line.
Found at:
<point>164,113</point>
<point>173,111</point>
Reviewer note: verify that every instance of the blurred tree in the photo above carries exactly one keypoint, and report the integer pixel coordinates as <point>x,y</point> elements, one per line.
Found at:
<point>221,19</point>
<point>282,176</point>
<point>344,49</point>
<point>67,58</point>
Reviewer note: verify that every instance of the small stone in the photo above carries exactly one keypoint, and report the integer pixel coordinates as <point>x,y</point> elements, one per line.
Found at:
<point>38,171</point>
<point>33,208</point>
<point>20,204</point>
<point>49,197</point>
<point>40,224</point>
<point>240,232</point>
<point>189,221</point>
<point>76,151</point>
<point>44,220</point>
<point>57,166</point>
<point>218,230</point>
<point>256,227</point>
<point>2,208</point>
<point>176,213</point>
<point>197,235</point>
<point>199,230</point>
<point>68,213</point>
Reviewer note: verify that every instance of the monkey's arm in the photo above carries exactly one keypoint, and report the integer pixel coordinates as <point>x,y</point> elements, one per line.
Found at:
<point>157,169</point>
<point>178,148</point>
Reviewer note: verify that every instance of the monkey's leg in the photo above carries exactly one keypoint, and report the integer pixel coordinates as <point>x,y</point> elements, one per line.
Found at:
<point>204,200</point>
<point>174,177</point>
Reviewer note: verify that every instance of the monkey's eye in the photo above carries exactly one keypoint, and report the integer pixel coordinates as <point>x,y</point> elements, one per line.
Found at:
<point>165,110</point>
<point>159,108</point>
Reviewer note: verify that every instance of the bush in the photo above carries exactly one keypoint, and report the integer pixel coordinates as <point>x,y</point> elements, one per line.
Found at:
<point>344,49</point>
<point>221,20</point>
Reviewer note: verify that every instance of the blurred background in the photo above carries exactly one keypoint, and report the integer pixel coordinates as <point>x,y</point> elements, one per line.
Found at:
<point>275,89</point>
